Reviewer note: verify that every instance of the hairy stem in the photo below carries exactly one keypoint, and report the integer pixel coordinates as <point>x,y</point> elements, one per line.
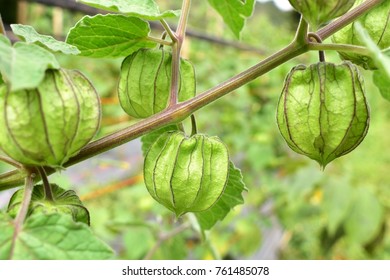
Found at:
<point>180,111</point>
<point>22,214</point>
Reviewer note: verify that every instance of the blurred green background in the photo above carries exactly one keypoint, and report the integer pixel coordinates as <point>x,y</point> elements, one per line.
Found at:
<point>292,209</point>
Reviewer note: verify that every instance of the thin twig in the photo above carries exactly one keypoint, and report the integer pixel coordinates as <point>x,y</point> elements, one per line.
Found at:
<point>159,41</point>
<point>339,47</point>
<point>22,214</point>
<point>347,18</point>
<point>46,184</point>
<point>301,34</point>
<point>176,50</point>
<point>10,161</point>
<point>169,31</point>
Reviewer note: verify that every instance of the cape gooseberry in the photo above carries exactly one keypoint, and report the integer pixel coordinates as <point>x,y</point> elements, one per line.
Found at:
<point>45,126</point>
<point>186,174</point>
<point>319,12</point>
<point>377,24</point>
<point>145,81</point>
<point>322,111</point>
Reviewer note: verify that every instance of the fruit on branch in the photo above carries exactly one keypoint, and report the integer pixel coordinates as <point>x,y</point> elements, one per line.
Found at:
<point>64,202</point>
<point>322,111</point>
<point>145,81</point>
<point>186,174</point>
<point>317,13</point>
<point>377,24</point>
<point>47,125</point>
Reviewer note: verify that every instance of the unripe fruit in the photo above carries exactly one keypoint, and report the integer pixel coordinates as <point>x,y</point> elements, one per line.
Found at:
<point>145,80</point>
<point>47,125</point>
<point>186,174</point>
<point>377,24</point>
<point>322,112</point>
<point>64,202</point>
<point>319,12</point>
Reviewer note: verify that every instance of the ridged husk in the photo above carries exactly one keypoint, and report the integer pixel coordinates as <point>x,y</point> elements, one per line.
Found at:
<point>186,174</point>
<point>145,80</point>
<point>317,13</point>
<point>47,125</point>
<point>322,111</point>
<point>65,202</point>
<point>377,24</point>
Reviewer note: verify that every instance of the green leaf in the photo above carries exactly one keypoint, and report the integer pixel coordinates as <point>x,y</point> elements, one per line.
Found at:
<point>30,35</point>
<point>366,217</point>
<point>231,197</point>
<point>64,201</point>
<point>52,236</point>
<point>148,139</point>
<point>23,65</point>
<point>234,12</point>
<point>145,9</point>
<point>382,81</point>
<point>109,35</point>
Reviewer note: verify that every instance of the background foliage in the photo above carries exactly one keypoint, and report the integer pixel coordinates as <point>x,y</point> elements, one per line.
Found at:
<point>292,209</point>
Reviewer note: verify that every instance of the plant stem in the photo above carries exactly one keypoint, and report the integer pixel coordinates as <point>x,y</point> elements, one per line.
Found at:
<point>193,123</point>
<point>301,34</point>
<point>179,112</point>
<point>339,48</point>
<point>169,31</point>
<point>347,18</point>
<point>10,161</point>
<point>159,41</point>
<point>176,50</point>
<point>46,185</point>
<point>22,214</point>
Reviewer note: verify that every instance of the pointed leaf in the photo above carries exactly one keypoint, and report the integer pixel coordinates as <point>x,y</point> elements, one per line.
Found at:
<point>234,12</point>
<point>109,35</point>
<point>23,65</point>
<point>52,236</point>
<point>30,35</point>
<point>146,9</point>
<point>231,197</point>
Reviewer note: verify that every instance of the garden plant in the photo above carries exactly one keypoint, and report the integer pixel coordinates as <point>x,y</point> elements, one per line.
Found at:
<point>50,116</point>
